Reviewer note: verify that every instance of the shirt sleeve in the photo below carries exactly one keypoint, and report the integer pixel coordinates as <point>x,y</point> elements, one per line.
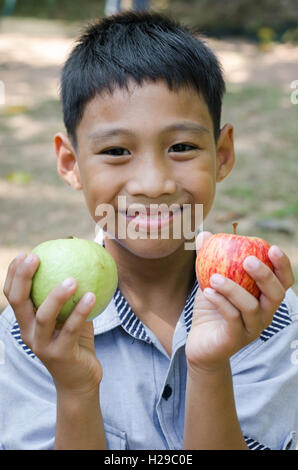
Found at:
<point>265,378</point>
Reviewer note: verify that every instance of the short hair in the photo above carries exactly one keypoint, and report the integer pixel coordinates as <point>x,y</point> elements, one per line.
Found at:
<point>141,46</point>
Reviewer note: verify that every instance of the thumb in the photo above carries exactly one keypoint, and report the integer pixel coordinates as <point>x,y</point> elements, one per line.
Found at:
<point>201,238</point>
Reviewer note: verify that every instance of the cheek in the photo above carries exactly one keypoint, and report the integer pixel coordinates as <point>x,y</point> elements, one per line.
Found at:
<point>203,196</point>
<point>99,189</point>
<point>207,194</point>
<point>202,182</point>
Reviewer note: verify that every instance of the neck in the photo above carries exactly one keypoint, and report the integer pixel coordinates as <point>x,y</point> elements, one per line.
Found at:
<point>156,289</point>
<point>172,276</point>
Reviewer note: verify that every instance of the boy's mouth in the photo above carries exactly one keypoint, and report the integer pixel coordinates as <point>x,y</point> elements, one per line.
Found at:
<point>149,217</point>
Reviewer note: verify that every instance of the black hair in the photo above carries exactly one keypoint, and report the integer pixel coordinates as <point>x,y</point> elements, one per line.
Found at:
<point>141,46</point>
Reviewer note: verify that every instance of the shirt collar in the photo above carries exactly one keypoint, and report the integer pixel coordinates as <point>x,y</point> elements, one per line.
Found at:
<point>118,312</point>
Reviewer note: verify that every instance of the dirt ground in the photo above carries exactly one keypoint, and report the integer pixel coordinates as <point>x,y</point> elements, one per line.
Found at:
<point>41,206</point>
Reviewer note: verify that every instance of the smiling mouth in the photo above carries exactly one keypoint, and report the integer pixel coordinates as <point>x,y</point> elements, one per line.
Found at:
<point>152,218</point>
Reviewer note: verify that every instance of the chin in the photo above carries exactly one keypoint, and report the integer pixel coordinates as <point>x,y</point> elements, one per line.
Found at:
<point>152,249</point>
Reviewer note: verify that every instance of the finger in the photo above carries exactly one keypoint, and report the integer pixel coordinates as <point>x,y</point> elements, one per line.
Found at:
<point>71,330</point>
<point>241,299</point>
<point>19,295</point>
<point>272,291</point>
<point>201,238</point>
<point>11,272</point>
<point>48,311</point>
<point>22,280</point>
<point>282,266</point>
<point>227,310</point>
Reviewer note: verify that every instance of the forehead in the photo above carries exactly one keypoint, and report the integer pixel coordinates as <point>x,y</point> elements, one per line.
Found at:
<point>151,104</point>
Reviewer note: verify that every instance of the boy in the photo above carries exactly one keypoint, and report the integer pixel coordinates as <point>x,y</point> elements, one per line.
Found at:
<point>165,366</point>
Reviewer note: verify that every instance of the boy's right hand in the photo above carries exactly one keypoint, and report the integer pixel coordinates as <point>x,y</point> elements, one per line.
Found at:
<point>66,350</point>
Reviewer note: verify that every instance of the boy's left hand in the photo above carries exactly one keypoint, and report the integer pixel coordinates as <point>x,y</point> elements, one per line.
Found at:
<point>227,317</point>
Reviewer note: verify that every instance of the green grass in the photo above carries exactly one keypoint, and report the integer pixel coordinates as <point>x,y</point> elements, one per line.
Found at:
<point>263,182</point>
<point>242,192</point>
<point>288,210</point>
<point>267,124</point>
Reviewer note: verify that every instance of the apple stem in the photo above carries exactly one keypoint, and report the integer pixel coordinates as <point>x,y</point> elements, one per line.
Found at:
<point>235,227</point>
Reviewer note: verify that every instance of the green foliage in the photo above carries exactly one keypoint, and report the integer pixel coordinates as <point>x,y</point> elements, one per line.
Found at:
<point>291,35</point>
<point>262,21</point>
<point>58,9</point>
<point>266,35</point>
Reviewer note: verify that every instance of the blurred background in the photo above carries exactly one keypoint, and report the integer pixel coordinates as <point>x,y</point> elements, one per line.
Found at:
<point>257,44</point>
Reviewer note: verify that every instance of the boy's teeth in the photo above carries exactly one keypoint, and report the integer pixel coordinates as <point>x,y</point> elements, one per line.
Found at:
<point>153,216</point>
<point>144,216</point>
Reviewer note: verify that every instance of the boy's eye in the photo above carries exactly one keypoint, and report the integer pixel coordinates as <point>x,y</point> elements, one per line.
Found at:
<point>183,147</point>
<point>117,151</point>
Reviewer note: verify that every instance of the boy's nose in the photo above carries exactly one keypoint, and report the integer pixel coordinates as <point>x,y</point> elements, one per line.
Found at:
<point>151,180</point>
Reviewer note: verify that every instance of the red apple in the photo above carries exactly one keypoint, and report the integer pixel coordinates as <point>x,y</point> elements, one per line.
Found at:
<point>224,254</point>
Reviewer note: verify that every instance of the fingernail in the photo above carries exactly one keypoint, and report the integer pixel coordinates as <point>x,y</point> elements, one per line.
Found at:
<point>217,280</point>
<point>252,262</point>
<point>276,251</point>
<point>29,259</point>
<point>21,255</point>
<point>89,298</point>
<point>209,291</point>
<point>68,283</point>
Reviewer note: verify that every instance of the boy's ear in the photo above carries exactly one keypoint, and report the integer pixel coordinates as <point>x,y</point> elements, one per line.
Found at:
<point>67,165</point>
<point>225,156</point>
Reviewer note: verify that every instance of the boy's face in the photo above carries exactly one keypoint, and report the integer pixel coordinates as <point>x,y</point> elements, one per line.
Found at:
<point>165,154</point>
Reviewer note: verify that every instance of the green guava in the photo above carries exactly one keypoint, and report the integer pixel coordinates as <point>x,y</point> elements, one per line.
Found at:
<point>86,261</point>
